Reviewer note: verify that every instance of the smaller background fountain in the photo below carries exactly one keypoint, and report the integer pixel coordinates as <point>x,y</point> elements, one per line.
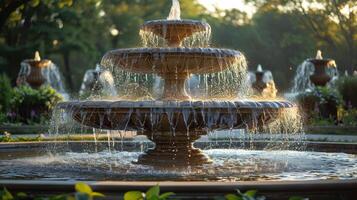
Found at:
<point>314,88</point>
<point>97,82</point>
<point>315,72</point>
<point>262,83</point>
<point>36,72</point>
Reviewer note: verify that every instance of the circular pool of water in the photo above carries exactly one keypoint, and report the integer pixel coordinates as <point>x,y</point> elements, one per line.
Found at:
<point>228,165</point>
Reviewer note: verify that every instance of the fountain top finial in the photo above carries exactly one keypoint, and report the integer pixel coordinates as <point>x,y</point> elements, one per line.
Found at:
<point>259,68</point>
<point>37,56</point>
<point>37,61</point>
<point>319,55</point>
<point>175,12</point>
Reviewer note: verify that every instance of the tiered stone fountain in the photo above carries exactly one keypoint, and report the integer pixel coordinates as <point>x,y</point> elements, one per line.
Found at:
<point>174,121</point>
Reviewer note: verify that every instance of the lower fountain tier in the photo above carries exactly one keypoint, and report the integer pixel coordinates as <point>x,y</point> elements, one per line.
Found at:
<point>170,116</point>
<point>174,125</point>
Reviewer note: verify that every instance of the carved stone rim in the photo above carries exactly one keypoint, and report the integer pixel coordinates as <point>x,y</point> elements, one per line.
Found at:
<point>178,50</point>
<point>165,22</point>
<point>320,61</point>
<point>38,63</point>
<point>106,104</point>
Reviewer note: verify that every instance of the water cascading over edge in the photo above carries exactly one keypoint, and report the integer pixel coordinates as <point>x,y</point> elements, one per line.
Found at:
<point>174,119</point>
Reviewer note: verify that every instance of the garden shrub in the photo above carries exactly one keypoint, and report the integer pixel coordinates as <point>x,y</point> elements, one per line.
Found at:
<point>349,117</point>
<point>33,106</point>
<point>5,93</point>
<point>85,192</point>
<point>326,99</point>
<point>347,87</point>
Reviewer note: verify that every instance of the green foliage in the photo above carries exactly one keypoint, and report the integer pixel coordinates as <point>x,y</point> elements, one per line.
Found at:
<point>316,120</point>
<point>347,86</point>
<point>153,193</point>
<point>349,117</point>
<point>3,117</point>
<point>320,95</point>
<point>6,195</point>
<point>249,195</point>
<point>279,35</point>
<point>327,94</point>
<point>83,192</point>
<point>5,94</point>
<point>7,138</point>
<point>33,106</point>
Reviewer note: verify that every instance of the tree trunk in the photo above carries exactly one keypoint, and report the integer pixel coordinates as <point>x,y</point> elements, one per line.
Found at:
<point>68,73</point>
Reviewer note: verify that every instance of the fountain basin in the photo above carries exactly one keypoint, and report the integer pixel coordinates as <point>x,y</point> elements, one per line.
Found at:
<point>243,161</point>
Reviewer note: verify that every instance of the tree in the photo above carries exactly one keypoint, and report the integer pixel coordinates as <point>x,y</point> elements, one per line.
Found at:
<point>55,28</point>
<point>333,23</point>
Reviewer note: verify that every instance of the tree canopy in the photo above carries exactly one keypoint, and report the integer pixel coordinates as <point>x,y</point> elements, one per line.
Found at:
<point>76,33</point>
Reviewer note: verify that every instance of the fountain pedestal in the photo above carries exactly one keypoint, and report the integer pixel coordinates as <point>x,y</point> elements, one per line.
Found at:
<point>174,149</point>
<point>174,87</point>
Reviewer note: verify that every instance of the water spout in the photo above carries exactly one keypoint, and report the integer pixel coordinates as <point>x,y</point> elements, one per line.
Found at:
<point>319,55</point>
<point>175,12</point>
<point>259,68</point>
<point>37,56</point>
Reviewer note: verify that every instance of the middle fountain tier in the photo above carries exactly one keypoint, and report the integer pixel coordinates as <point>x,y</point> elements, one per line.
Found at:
<point>175,120</point>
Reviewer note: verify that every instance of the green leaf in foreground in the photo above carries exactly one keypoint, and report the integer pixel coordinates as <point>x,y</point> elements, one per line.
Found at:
<point>6,195</point>
<point>166,195</point>
<point>83,188</point>
<point>153,193</point>
<point>250,193</point>
<point>233,197</point>
<point>133,195</point>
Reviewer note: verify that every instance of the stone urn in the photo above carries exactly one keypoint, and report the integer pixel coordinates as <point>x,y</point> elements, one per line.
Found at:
<point>31,72</point>
<point>320,77</point>
<point>259,85</point>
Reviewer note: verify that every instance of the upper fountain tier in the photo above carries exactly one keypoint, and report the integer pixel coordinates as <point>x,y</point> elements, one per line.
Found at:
<point>175,31</point>
<point>174,65</point>
<point>168,61</point>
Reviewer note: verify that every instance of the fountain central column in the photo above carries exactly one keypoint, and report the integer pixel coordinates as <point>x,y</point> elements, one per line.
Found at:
<point>174,150</point>
<point>174,86</point>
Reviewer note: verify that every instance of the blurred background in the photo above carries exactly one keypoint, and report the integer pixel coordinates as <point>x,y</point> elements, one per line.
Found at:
<point>279,34</point>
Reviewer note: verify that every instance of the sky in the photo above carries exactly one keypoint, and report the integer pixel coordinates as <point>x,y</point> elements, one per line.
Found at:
<point>228,4</point>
